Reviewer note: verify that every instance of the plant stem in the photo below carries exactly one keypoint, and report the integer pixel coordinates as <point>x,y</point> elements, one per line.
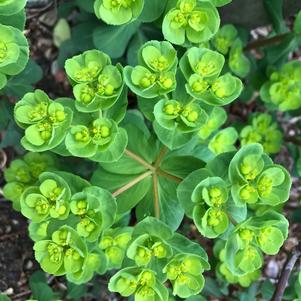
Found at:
<point>156,196</point>
<point>169,176</point>
<point>267,42</point>
<point>132,183</point>
<point>161,155</point>
<point>139,160</point>
<point>287,269</point>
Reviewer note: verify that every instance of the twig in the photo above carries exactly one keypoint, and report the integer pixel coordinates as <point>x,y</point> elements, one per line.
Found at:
<point>287,269</point>
<point>267,42</point>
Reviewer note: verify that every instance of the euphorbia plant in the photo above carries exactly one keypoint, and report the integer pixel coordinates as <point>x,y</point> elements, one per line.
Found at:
<point>162,163</point>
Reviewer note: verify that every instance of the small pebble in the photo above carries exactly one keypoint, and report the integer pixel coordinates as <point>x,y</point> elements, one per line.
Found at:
<point>272,269</point>
<point>9,291</point>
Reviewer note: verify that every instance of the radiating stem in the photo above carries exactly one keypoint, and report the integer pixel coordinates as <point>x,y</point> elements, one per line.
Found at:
<point>139,160</point>
<point>156,196</point>
<point>161,155</point>
<point>132,183</point>
<point>169,176</point>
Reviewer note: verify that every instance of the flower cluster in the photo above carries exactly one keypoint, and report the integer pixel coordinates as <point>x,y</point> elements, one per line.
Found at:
<point>97,84</point>
<point>227,42</point>
<point>283,89</point>
<point>65,253</point>
<point>63,127</point>
<point>45,121</point>
<point>191,21</point>
<point>264,131</point>
<point>263,233</point>
<point>14,50</point>
<point>256,179</point>
<point>59,199</point>
<point>158,257</point>
<point>219,193</point>
<point>224,272</point>
<point>223,141</point>
<point>217,116</point>
<point>202,70</point>
<point>156,73</point>
<point>74,228</point>
<point>118,12</point>
<point>210,198</point>
<point>25,172</point>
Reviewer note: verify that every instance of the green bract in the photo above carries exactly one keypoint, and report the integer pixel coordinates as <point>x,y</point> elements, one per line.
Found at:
<point>217,117</point>
<point>223,141</point>
<point>224,38</point>
<point>191,21</point>
<point>238,62</point>
<point>114,243</point>
<point>264,131</point>
<point>95,209</point>
<point>185,273</point>
<point>44,120</point>
<point>283,90</point>
<point>86,67</point>
<point>97,84</point>
<point>141,283</point>
<point>66,253</point>
<point>96,139</point>
<point>25,172</point>
<point>145,247</point>
<point>170,114</point>
<point>263,233</point>
<point>50,198</point>
<point>13,51</point>
<point>156,73</point>
<point>202,68</point>
<point>224,272</point>
<point>209,215</point>
<point>11,7</point>
<point>117,12</point>
<point>255,178</point>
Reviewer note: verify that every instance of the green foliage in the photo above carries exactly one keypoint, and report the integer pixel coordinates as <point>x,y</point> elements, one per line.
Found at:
<point>190,21</point>
<point>117,12</point>
<point>13,52</point>
<point>129,194</point>
<point>283,88</point>
<point>256,179</point>
<point>25,172</point>
<point>201,69</point>
<point>264,131</point>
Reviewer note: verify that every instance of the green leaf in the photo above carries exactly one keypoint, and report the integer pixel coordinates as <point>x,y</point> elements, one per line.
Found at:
<point>61,32</point>
<point>152,10</point>
<point>40,288</point>
<point>172,137</point>
<point>4,298</point>
<point>297,24</point>
<point>113,40</point>
<point>274,10</point>
<point>115,150</point>
<point>167,208</point>
<point>76,292</point>
<point>17,20</point>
